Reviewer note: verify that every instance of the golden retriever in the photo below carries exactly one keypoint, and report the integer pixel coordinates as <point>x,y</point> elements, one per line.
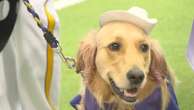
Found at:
<point>121,64</point>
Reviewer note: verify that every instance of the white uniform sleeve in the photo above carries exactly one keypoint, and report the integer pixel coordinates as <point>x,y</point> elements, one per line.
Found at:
<point>23,63</point>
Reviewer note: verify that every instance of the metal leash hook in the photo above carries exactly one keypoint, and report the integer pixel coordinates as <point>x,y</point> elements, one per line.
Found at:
<point>66,59</point>
<point>52,41</point>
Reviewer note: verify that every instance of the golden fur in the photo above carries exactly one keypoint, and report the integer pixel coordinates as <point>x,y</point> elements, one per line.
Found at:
<point>96,63</point>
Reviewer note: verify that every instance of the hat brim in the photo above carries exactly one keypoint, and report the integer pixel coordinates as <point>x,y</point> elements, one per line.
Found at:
<point>124,16</point>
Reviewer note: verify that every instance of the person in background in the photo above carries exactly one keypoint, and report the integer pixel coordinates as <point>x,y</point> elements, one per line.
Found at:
<point>29,68</point>
<point>190,49</point>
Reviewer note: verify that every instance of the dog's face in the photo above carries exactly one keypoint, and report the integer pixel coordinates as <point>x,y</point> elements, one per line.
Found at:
<point>120,61</point>
<point>123,58</point>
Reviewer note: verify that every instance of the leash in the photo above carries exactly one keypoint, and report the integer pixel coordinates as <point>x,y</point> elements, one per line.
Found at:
<point>49,37</point>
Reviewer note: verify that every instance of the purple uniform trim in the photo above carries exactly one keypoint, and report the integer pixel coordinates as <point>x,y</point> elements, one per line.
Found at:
<point>190,49</point>
<point>153,102</point>
<point>76,100</point>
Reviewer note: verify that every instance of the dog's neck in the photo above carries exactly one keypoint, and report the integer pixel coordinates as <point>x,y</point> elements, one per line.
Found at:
<point>100,89</point>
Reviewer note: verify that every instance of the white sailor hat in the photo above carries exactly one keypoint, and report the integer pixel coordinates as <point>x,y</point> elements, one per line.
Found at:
<point>135,15</point>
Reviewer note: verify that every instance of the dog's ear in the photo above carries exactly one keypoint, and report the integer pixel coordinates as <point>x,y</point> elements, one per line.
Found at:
<point>160,72</point>
<point>158,67</point>
<point>86,56</point>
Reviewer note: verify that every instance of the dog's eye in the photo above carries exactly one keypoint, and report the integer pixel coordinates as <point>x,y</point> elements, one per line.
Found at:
<point>144,47</point>
<point>114,46</point>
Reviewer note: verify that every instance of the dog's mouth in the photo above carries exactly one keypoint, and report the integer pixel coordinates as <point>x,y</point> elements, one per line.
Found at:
<point>128,95</point>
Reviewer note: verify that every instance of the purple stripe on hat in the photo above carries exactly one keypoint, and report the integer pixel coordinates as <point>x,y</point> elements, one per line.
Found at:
<point>190,49</point>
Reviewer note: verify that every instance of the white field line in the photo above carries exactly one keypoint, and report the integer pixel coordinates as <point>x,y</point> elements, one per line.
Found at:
<point>59,4</point>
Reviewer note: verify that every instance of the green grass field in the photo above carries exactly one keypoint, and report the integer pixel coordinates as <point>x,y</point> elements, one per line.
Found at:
<point>175,20</point>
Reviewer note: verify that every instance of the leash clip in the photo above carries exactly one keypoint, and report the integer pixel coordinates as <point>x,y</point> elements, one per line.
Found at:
<point>66,59</point>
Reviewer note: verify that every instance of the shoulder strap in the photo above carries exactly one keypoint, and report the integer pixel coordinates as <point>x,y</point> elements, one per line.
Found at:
<point>7,24</point>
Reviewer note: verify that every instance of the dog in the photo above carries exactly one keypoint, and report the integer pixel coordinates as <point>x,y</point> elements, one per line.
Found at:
<point>122,65</point>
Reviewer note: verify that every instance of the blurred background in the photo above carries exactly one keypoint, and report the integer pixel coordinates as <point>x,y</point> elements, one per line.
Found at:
<point>172,31</point>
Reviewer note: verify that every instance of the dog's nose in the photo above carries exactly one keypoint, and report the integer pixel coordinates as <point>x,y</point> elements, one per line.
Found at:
<point>135,76</point>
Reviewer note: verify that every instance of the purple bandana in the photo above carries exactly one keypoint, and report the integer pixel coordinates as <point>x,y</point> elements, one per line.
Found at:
<point>153,102</point>
<point>190,49</point>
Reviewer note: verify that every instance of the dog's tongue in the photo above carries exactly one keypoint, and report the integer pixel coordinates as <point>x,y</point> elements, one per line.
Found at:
<point>130,93</point>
